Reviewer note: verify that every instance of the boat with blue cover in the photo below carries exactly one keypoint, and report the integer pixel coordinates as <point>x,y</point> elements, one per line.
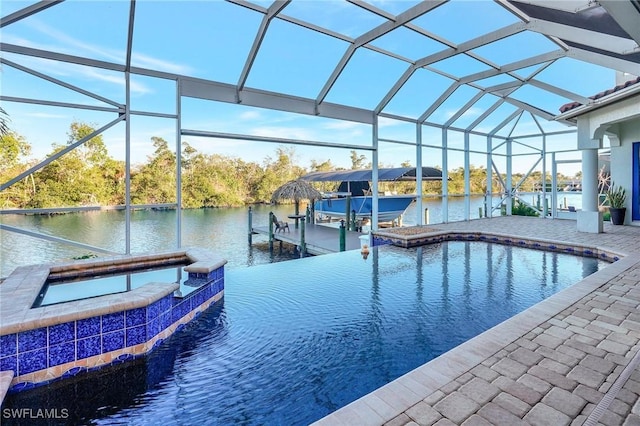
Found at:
<point>355,191</point>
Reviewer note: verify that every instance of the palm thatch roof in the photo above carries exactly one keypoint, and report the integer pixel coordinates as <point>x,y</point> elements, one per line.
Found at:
<point>296,190</point>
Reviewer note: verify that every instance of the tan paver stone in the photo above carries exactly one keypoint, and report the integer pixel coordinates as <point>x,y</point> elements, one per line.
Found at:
<point>561,333</point>
<point>512,404</point>
<point>400,420</point>
<point>484,372</point>
<point>465,378</point>
<point>618,359</point>
<point>619,407</point>
<point>527,344</point>
<point>525,356</point>
<point>518,390</point>
<point>543,415</point>
<point>479,390</point>
<point>434,397</point>
<point>615,347</point>
<point>607,326</point>
<point>579,421</point>
<point>445,422</point>
<point>611,419</point>
<point>586,340</point>
<point>630,324</point>
<point>586,376</point>
<point>548,340</point>
<point>589,394</point>
<point>554,366</point>
<point>457,407</point>
<point>571,351</point>
<point>584,331</point>
<point>423,414</point>
<point>558,322</point>
<point>553,378</point>
<point>450,387</point>
<point>498,416</point>
<point>624,339</point>
<point>581,317</point>
<point>610,320</point>
<point>627,396</point>
<point>559,356</point>
<point>534,383</point>
<point>564,401</point>
<point>585,348</point>
<point>598,364</point>
<point>631,420</point>
<point>510,368</point>
<point>476,420</point>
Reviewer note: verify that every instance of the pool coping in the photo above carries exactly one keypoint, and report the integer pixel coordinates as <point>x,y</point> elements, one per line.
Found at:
<point>392,400</point>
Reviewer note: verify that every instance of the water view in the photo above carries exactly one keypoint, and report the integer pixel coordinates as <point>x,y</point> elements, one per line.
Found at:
<point>223,230</point>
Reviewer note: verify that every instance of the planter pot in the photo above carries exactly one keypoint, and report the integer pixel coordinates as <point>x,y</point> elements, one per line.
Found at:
<point>617,215</point>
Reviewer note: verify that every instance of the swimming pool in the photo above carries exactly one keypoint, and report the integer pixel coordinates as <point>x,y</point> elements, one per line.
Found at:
<point>294,341</point>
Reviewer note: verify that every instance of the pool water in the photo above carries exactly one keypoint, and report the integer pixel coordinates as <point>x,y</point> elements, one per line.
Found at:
<point>65,290</point>
<point>293,341</point>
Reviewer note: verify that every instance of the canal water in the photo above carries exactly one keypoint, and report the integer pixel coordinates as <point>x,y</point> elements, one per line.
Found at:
<point>222,230</point>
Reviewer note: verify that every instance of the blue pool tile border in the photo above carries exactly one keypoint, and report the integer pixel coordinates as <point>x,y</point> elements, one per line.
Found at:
<point>42,348</point>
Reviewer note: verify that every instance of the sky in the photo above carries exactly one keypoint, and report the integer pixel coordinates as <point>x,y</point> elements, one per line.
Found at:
<point>211,40</point>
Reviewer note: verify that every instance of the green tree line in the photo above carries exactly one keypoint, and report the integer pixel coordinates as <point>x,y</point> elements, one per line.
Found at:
<point>89,176</point>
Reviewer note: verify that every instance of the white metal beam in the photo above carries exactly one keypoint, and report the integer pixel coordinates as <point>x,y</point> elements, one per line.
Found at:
<point>273,10</point>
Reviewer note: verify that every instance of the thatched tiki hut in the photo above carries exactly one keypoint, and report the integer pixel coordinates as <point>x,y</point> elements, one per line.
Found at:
<point>296,190</point>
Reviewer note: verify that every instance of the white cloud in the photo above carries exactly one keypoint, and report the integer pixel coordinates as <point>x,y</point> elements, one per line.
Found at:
<point>250,115</point>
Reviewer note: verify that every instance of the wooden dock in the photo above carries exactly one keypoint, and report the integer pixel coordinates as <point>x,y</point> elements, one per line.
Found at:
<point>319,239</point>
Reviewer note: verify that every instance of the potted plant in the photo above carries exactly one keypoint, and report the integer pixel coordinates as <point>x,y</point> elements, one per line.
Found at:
<point>616,197</point>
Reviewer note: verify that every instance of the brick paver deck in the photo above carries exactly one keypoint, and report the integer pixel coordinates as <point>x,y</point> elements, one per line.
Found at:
<point>569,360</point>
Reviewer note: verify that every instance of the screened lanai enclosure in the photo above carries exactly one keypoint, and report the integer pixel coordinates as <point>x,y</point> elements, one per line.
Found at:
<point>458,85</point>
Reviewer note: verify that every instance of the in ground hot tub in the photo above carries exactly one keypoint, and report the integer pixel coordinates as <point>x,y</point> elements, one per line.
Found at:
<point>88,325</point>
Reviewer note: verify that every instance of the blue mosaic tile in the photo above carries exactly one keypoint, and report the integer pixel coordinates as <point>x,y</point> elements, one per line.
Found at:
<point>9,363</point>
<point>136,335</point>
<point>153,327</point>
<point>113,341</point>
<point>88,347</point>
<point>31,361</point>
<point>165,320</point>
<point>60,333</point>
<point>165,304</point>
<point>8,345</point>
<point>32,339</point>
<point>62,353</point>
<point>112,322</point>
<point>88,327</point>
<point>153,311</point>
<point>136,317</point>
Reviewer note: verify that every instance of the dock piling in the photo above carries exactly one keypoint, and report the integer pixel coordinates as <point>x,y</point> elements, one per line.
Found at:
<point>343,236</point>
<point>270,230</point>
<point>250,225</point>
<point>303,244</point>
